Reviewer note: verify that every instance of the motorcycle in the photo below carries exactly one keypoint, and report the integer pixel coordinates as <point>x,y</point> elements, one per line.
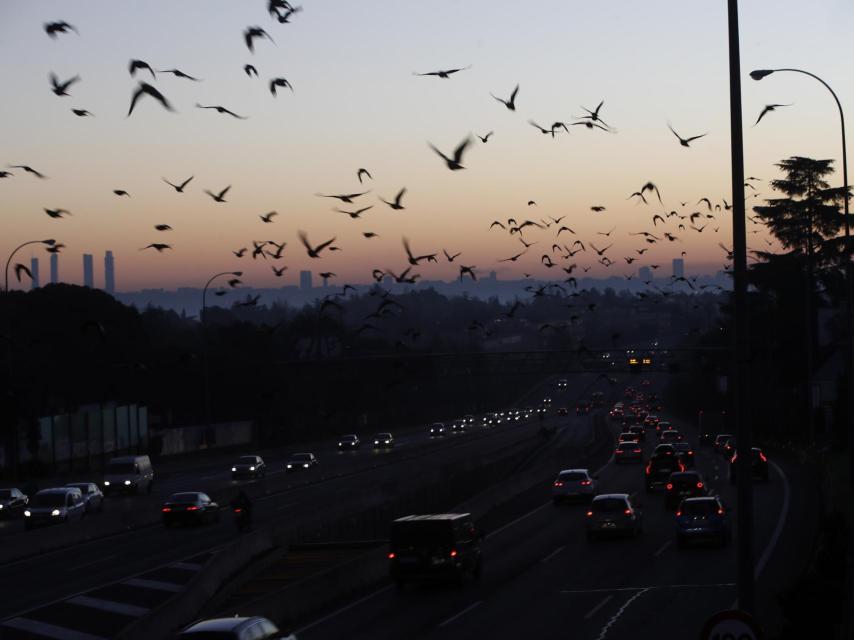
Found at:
<point>242,519</point>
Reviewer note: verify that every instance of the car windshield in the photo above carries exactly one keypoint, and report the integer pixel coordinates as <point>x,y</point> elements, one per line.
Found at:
<point>84,488</point>
<point>383,436</point>
<point>184,497</point>
<point>699,508</point>
<point>246,460</point>
<point>301,457</point>
<point>120,468</point>
<point>628,446</point>
<point>573,476</point>
<point>421,533</point>
<point>5,494</point>
<point>48,500</point>
<point>608,505</point>
<point>348,437</point>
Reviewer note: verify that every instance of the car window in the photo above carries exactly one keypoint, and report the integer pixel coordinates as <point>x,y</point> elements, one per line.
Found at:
<point>607,505</point>
<point>572,476</point>
<point>699,508</point>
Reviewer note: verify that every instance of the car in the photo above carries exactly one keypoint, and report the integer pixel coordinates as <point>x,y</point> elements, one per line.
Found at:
<point>561,384</point>
<point>469,419</point>
<point>628,451</point>
<point>563,411</point>
<point>12,502</point>
<point>670,436</point>
<point>128,473</point>
<point>92,496</point>
<point>681,485</point>
<point>639,431</point>
<point>573,484</point>
<point>702,518</point>
<point>617,412</point>
<point>459,426</point>
<point>582,408</point>
<point>613,514</point>
<point>650,420</point>
<point>497,418</point>
<point>437,430</point>
<point>728,448</point>
<point>349,442</point>
<point>758,465</point>
<point>255,628</point>
<point>253,466</point>
<point>627,436</point>
<point>684,452</point>
<point>660,465</point>
<point>300,462</point>
<point>547,401</point>
<point>720,439</point>
<point>385,440</point>
<point>54,506</point>
<point>189,507</point>
<point>645,383</point>
<point>597,399</point>
<point>442,546</point>
<point>663,425</point>
<point>514,415</point>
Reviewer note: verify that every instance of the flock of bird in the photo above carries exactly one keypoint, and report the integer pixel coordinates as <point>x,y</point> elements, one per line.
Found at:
<point>548,241</point>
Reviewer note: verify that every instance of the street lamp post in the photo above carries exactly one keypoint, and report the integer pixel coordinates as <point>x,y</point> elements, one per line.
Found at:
<point>49,242</point>
<point>202,316</point>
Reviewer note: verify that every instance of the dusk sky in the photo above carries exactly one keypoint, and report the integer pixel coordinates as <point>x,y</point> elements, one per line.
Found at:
<point>356,103</point>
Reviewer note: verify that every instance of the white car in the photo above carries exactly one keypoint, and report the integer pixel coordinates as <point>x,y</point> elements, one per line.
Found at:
<point>573,484</point>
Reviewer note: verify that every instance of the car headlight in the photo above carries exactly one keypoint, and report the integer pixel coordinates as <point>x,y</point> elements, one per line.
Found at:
<point>305,465</point>
<point>27,513</point>
<point>127,483</point>
<point>377,441</point>
<point>55,512</point>
<point>388,441</point>
<point>290,466</point>
<point>1,507</point>
<point>233,469</point>
<point>106,483</point>
<point>252,468</point>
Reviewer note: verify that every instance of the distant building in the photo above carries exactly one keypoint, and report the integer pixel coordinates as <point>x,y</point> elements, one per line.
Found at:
<point>678,268</point>
<point>325,281</point>
<point>34,269</point>
<point>645,274</point>
<point>54,268</point>
<point>305,280</point>
<point>109,273</point>
<point>88,271</point>
<point>493,276</point>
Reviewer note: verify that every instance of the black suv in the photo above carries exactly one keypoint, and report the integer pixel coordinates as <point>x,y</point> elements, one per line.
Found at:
<point>682,485</point>
<point>758,465</point>
<point>661,464</point>
<point>444,546</point>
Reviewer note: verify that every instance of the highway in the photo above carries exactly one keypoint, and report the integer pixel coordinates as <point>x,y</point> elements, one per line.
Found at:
<point>84,565</point>
<point>543,579</point>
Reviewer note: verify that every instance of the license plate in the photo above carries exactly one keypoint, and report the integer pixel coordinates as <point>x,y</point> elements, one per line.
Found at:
<point>608,525</point>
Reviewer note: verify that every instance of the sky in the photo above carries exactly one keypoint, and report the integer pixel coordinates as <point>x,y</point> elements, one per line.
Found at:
<point>356,103</point>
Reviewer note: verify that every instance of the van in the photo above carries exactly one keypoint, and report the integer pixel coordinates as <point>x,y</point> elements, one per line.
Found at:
<point>444,546</point>
<point>128,473</point>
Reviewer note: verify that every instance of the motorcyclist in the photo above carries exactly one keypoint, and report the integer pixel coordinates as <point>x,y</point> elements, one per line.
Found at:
<point>242,506</point>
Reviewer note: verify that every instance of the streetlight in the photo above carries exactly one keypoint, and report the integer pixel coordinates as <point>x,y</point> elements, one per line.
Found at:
<point>49,242</point>
<point>236,274</point>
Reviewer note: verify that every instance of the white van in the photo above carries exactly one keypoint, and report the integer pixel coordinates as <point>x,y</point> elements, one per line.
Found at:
<point>128,473</point>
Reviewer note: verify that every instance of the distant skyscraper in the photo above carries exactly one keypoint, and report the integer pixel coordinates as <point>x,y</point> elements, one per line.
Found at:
<point>34,269</point>
<point>305,280</point>
<point>325,281</point>
<point>109,273</point>
<point>88,271</point>
<point>645,274</point>
<point>54,268</point>
<point>678,268</point>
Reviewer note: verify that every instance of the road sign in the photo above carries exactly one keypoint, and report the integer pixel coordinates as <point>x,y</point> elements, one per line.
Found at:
<point>731,625</point>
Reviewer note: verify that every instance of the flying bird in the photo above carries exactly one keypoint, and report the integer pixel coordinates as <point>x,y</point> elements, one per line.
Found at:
<point>218,197</point>
<point>591,125</point>
<point>355,214</point>
<point>179,187</point>
<point>268,217</point>
<point>57,213</point>
<point>313,252</point>
<point>485,139</point>
<point>159,247</point>
<point>396,204</point>
<point>250,70</point>
<point>649,186</point>
<point>28,169</point>
<point>415,260</point>
<point>179,74</point>
<point>467,270</point>
<point>279,272</point>
<point>594,115</point>
<point>240,252</point>
<point>221,109</point>
<point>370,234</point>
<point>121,192</point>
<point>61,88</point>
<point>163,227</point>
<point>146,89</point>
<point>451,257</point>
<point>446,73</point>
<point>454,164</point>
<point>511,103</point>
<point>251,34</point>
<point>344,197</point>
<point>279,82</point>
<point>136,65</point>
<point>82,112</point>
<point>19,269</point>
<point>598,208</point>
<point>600,252</point>
<point>685,142</point>
<point>770,107</point>
<point>54,28</point>
<point>363,172</point>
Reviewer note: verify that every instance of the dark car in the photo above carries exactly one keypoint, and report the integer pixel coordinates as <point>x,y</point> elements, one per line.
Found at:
<point>12,502</point>
<point>720,440</point>
<point>300,462</point>
<point>758,465</point>
<point>685,453</point>
<point>444,546</point>
<point>562,411</point>
<point>350,442</point>
<point>681,485</point>
<point>583,408</point>
<point>613,514</point>
<point>628,451</point>
<point>252,466</point>
<point>54,506</point>
<point>437,430</point>
<point>255,628</point>
<point>660,465</point>
<point>190,507</point>
<point>92,496</point>
<point>469,419</point>
<point>702,518</point>
<point>639,431</point>
<point>383,441</point>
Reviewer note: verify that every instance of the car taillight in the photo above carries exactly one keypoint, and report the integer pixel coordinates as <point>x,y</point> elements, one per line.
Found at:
<point>690,453</point>
<point>558,483</point>
<point>617,451</point>
<point>682,467</point>
<point>192,507</point>
<point>733,459</point>
<point>166,509</point>
<point>678,513</point>
<point>453,553</point>
<point>584,483</point>
<point>636,450</point>
<point>628,512</point>
<point>720,512</point>
<point>669,486</point>
<point>762,457</point>
<point>391,556</point>
<point>699,485</point>
<point>237,510</point>
<point>589,514</point>
<point>648,468</point>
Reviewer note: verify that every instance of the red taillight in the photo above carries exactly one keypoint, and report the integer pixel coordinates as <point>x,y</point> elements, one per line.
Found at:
<point>166,509</point>
<point>720,512</point>
<point>762,457</point>
<point>238,510</point>
<point>192,507</point>
<point>669,486</point>
<point>589,514</point>
<point>617,451</point>
<point>699,485</point>
<point>628,512</point>
<point>636,450</point>
<point>648,468</point>
<point>678,513</point>
<point>584,483</point>
<point>690,453</point>
<point>453,553</point>
<point>682,467</point>
<point>733,459</point>
<point>391,555</point>
<point>558,483</point>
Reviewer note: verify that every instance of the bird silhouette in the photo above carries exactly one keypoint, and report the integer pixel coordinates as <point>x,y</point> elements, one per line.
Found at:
<point>454,163</point>
<point>121,192</point>
<point>268,217</point>
<point>19,269</point>
<point>279,82</point>
<point>396,204</point>
<point>250,70</point>
<point>594,115</point>
<point>146,89</point>
<point>370,234</point>
<point>467,270</point>
<point>343,197</point>
<point>511,103</point>
<point>496,223</point>
<point>61,88</point>
<point>446,73</point>
<point>221,109</point>
<point>649,186</point>
<point>770,107</point>
<point>541,129</point>
<point>179,187</point>
<point>485,139</point>
<point>278,271</point>
<point>240,252</point>
<point>163,227</point>
<point>218,197</point>
<point>656,218</point>
<point>608,234</point>
<point>179,74</point>
<point>284,17</point>
<point>685,142</point>
<point>28,169</point>
<point>450,257</point>
<point>355,214</point>
<point>52,29</point>
<point>57,213</point>
<point>136,65</point>
<point>363,172</point>
<point>82,113</point>
<point>597,208</point>
<point>591,125</point>
<point>157,246</point>
<point>413,259</point>
<point>6,174</point>
<point>565,228</point>
<point>600,252</point>
<point>313,252</point>
<point>251,34</point>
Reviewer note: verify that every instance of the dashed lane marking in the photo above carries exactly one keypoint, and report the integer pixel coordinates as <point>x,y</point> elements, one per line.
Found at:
<point>159,585</point>
<point>461,613</point>
<point>108,605</point>
<point>595,609</point>
<point>553,553</point>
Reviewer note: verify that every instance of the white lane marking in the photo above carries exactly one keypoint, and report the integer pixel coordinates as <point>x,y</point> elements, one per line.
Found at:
<point>159,585</point>
<point>595,609</point>
<point>553,553</point>
<point>662,548</point>
<point>656,586</point>
<point>356,603</point>
<point>286,505</point>
<point>109,605</point>
<point>93,562</point>
<point>617,615</point>
<point>48,630</point>
<point>461,613</point>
